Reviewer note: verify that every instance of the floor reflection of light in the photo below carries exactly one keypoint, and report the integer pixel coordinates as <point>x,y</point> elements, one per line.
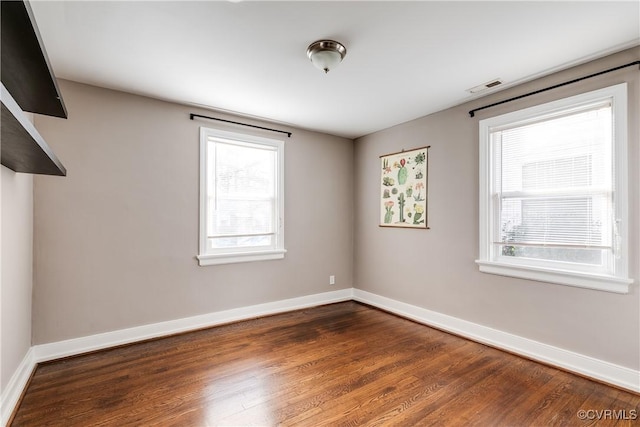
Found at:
<point>238,394</point>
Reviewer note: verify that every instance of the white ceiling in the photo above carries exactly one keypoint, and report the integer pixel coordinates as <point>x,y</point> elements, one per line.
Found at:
<point>404,59</point>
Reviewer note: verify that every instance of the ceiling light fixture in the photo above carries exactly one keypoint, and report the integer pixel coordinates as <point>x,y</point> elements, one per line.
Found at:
<point>326,54</point>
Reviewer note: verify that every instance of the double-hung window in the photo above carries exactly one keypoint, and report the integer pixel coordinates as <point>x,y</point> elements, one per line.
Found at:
<point>553,192</point>
<point>241,198</point>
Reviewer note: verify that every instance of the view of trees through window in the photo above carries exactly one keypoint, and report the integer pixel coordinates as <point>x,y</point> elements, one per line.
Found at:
<point>242,199</point>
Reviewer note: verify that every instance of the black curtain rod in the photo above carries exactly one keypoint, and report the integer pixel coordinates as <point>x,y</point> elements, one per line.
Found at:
<point>472,112</point>
<point>191,116</point>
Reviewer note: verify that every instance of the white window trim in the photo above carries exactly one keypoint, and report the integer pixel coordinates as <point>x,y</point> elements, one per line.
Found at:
<point>618,283</point>
<point>236,255</point>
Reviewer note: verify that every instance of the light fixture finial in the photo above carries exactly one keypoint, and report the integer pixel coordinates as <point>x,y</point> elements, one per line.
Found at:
<point>326,54</point>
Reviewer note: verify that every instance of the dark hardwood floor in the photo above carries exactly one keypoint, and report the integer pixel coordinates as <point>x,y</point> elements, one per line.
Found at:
<point>338,365</point>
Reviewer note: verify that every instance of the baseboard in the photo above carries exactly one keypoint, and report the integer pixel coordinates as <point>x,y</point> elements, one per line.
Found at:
<point>610,373</point>
<point>16,385</point>
<point>75,346</point>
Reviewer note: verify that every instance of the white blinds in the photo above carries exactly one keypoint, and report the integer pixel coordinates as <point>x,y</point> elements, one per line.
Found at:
<point>553,186</point>
<point>242,193</point>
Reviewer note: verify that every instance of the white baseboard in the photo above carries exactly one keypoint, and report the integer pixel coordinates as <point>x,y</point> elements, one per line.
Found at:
<point>12,392</point>
<point>575,362</point>
<point>75,346</point>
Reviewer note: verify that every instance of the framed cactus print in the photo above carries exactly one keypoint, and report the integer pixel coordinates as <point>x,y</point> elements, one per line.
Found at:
<point>403,188</point>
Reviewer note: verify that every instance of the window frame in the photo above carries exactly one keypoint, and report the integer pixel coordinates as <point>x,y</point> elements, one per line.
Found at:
<point>239,254</point>
<point>617,282</point>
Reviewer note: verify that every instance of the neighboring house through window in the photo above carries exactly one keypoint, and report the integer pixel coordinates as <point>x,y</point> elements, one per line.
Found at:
<point>553,192</point>
<point>241,197</point>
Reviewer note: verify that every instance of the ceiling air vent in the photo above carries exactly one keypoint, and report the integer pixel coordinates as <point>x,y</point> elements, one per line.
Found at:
<point>485,86</point>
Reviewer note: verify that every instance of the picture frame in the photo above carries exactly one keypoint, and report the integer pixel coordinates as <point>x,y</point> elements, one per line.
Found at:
<point>404,189</point>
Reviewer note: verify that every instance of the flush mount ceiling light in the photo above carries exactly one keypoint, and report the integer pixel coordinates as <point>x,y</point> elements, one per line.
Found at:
<point>326,54</point>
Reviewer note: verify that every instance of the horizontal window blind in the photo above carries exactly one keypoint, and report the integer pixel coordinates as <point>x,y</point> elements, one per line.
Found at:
<point>553,186</point>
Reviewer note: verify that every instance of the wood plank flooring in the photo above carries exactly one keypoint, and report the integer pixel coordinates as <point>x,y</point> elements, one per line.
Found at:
<point>344,364</point>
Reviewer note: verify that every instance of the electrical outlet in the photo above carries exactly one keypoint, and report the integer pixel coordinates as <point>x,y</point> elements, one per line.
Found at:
<point>332,280</point>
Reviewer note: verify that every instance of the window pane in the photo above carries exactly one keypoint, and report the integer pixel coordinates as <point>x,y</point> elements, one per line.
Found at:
<point>563,220</point>
<point>235,217</point>
<point>243,195</point>
<point>244,169</point>
<point>582,256</point>
<point>568,151</point>
<point>563,172</point>
<point>553,184</point>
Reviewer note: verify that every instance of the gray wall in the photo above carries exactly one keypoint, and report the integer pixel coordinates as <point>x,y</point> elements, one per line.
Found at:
<point>17,271</point>
<point>115,241</point>
<point>435,268</point>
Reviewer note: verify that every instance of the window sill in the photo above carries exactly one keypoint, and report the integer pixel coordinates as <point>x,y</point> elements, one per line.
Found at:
<point>581,280</point>
<point>232,258</point>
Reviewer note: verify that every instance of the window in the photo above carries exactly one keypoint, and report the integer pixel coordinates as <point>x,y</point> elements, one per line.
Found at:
<point>241,198</point>
<point>553,192</point>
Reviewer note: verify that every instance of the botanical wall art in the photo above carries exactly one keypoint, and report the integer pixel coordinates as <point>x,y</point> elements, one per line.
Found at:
<point>403,189</point>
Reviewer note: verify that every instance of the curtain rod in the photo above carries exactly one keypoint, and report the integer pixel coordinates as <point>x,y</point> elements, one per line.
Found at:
<point>472,112</point>
<point>192,116</point>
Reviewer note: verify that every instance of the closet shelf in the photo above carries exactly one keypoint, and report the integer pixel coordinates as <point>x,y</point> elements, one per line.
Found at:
<point>28,84</point>
<point>23,149</point>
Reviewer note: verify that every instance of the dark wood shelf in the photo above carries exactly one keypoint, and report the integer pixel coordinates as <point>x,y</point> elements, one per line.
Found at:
<point>23,149</point>
<point>28,84</point>
<point>26,72</point>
